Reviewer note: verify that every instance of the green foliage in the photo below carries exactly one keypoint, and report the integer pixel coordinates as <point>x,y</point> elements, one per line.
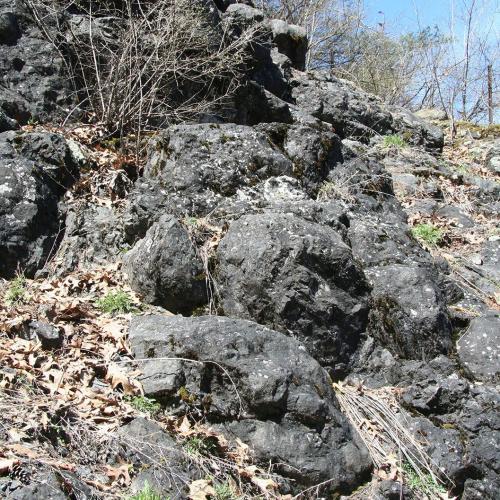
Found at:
<point>394,141</point>
<point>191,221</point>
<point>186,396</point>
<point>462,169</point>
<point>196,446</point>
<point>16,291</point>
<point>423,484</point>
<point>116,302</point>
<point>224,492</point>
<point>147,493</point>
<point>428,234</point>
<point>145,405</point>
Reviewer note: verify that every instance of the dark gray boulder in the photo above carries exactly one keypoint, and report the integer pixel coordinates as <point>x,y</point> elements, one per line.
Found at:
<point>93,236</point>
<point>224,4</point>
<point>478,348</point>
<point>195,170</point>
<point>416,130</point>
<point>481,489</point>
<point>272,51</point>
<point>492,160</point>
<point>314,151</point>
<point>254,104</point>
<point>436,392</point>
<point>50,484</point>
<point>444,448</point>
<point>357,114</point>
<point>35,170</point>
<point>45,490</point>
<point>291,41</point>
<point>161,461</point>
<point>198,165</point>
<point>256,384</point>
<point>165,268</point>
<point>379,240</point>
<point>49,336</point>
<point>7,123</point>
<point>10,32</point>
<point>353,113</point>
<point>298,277</point>
<point>34,83</point>
<point>408,313</point>
<point>143,207</point>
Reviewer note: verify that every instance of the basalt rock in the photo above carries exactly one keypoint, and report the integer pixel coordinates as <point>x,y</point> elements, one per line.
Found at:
<point>165,269</point>
<point>255,384</point>
<point>35,171</point>
<point>297,277</point>
<point>357,114</point>
<point>34,83</point>
<point>478,348</point>
<point>409,314</point>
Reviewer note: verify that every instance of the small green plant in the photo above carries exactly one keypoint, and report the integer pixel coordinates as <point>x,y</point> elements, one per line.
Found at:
<point>462,169</point>
<point>428,233</point>
<point>116,302</point>
<point>426,484</point>
<point>147,493</point>
<point>16,292</point>
<point>191,221</point>
<point>186,396</point>
<point>145,405</point>
<point>196,446</point>
<point>224,491</point>
<point>394,142</point>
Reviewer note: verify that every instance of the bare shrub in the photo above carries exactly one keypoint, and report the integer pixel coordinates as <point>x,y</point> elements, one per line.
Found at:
<point>140,65</point>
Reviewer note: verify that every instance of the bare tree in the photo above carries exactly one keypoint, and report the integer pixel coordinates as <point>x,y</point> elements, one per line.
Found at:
<point>457,73</point>
<point>141,64</point>
<point>330,25</point>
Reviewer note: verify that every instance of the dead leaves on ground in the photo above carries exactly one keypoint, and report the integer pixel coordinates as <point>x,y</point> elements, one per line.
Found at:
<point>85,377</point>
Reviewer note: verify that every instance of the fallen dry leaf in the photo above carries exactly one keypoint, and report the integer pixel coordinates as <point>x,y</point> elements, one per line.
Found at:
<point>6,465</point>
<point>117,376</point>
<point>201,490</point>
<point>119,474</point>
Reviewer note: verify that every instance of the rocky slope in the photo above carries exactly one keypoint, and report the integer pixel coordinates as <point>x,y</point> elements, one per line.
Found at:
<point>308,234</point>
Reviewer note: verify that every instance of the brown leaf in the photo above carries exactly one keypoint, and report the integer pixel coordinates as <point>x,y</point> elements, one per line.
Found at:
<point>201,490</point>
<point>6,465</point>
<point>119,474</point>
<point>116,376</point>
<point>24,451</point>
<point>266,485</point>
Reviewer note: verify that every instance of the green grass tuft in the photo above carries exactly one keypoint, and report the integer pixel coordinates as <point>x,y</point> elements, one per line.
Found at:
<point>394,141</point>
<point>428,233</point>
<point>147,493</point>
<point>16,292</point>
<point>145,405</point>
<point>422,484</point>
<point>224,492</point>
<point>196,446</point>
<point>116,303</point>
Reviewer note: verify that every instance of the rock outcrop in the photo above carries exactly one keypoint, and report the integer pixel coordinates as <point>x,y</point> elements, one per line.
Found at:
<point>290,213</point>
<point>255,384</point>
<point>35,171</point>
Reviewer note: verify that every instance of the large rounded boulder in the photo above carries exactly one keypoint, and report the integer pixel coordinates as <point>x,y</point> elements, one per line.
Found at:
<point>165,269</point>
<point>298,277</point>
<point>254,384</point>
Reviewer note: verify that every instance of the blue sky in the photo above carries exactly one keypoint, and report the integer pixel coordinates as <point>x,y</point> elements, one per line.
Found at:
<point>401,15</point>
